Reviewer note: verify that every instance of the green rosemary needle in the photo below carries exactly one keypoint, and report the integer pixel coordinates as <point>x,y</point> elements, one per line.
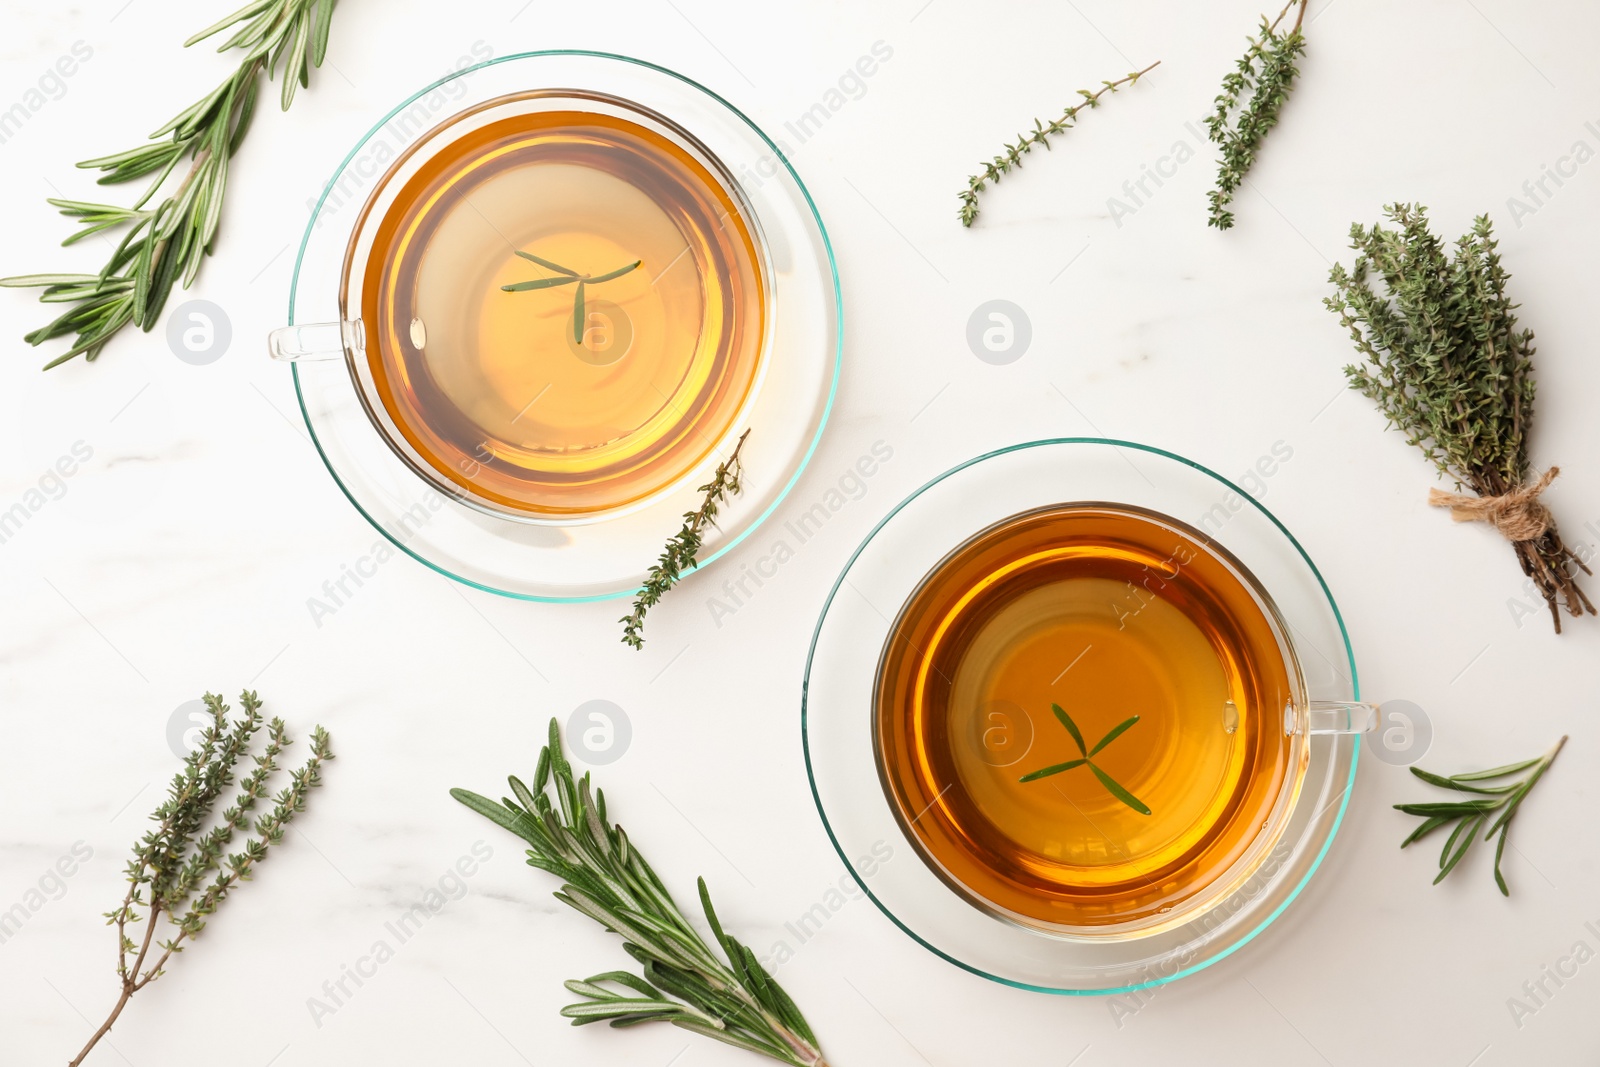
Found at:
<point>683,548</point>
<point>170,240</point>
<point>682,980</point>
<point>566,276</point>
<point>1039,135</point>
<point>1268,72</point>
<point>1469,816</point>
<point>1086,759</point>
<point>181,873</point>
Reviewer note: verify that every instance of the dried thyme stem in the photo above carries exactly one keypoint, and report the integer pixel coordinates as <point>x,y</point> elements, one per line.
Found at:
<point>682,550</point>
<point>181,873</point>
<point>1012,156</point>
<point>1267,70</point>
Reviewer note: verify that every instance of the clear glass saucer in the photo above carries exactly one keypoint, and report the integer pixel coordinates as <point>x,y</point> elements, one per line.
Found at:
<point>609,556</point>
<point>842,664</point>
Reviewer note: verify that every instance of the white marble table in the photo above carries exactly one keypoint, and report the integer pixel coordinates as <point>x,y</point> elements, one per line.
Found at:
<point>182,551</point>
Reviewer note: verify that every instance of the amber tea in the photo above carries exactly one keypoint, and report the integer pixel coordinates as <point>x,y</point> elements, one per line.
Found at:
<point>1112,614</point>
<point>563,310</point>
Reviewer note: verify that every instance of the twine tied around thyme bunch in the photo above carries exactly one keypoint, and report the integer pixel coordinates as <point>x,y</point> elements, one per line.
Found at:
<point>1518,513</point>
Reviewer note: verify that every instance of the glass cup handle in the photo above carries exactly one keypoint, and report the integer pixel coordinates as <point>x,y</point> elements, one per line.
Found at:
<point>316,341</point>
<point>1330,717</point>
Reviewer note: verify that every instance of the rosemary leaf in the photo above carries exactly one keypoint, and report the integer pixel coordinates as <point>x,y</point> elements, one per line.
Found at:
<point>1114,733</point>
<point>558,268</point>
<point>168,243</point>
<point>619,272</point>
<point>566,277</point>
<point>684,981</point>
<point>1425,828</point>
<point>1054,768</point>
<point>1469,816</point>
<point>1112,786</point>
<point>1072,727</point>
<point>1458,784</point>
<point>1496,772</point>
<point>537,283</point>
<point>1120,793</point>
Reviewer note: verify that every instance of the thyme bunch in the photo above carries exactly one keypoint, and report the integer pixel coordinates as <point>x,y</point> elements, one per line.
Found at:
<point>682,979</point>
<point>168,242</point>
<point>682,550</point>
<point>1446,364</point>
<point>1470,815</point>
<point>1039,135</point>
<point>1266,72</point>
<point>181,872</point>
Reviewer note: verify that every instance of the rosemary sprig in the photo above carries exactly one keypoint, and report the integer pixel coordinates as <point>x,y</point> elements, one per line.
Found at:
<point>1087,760</point>
<point>1469,816</point>
<point>682,979</point>
<point>1267,72</point>
<point>1042,131</point>
<point>566,276</point>
<point>180,873</point>
<point>1446,364</point>
<point>168,242</point>
<point>681,552</point>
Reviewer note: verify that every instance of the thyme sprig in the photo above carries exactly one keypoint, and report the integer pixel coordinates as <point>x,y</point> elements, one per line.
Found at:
<point>1039,135</point>
<point>1447,365</point>
<point>181,872</point>
<point>683,981</point>
<point>1267,72</point>
<point>1086,759</point>
<point>170,240</point>
<point>682,550</point>
<point>567,276</point>
<point>1469,816</point>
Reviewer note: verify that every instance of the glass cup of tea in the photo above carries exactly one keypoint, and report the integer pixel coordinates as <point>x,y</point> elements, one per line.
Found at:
<point>562,288</point>
<point>1099,705</point>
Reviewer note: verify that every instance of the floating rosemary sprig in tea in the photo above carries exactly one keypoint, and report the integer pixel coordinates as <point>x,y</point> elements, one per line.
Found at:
<point>683,982</point>
<point>1470,815</point>
<point>567,276</point>
<point>1042,131</point>
<point>1447,365</point>
<point>682,550</point>
<point>180,875</point>
<point>1268,72</point>
<point>169,241</point>
<point>1087,755</point>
